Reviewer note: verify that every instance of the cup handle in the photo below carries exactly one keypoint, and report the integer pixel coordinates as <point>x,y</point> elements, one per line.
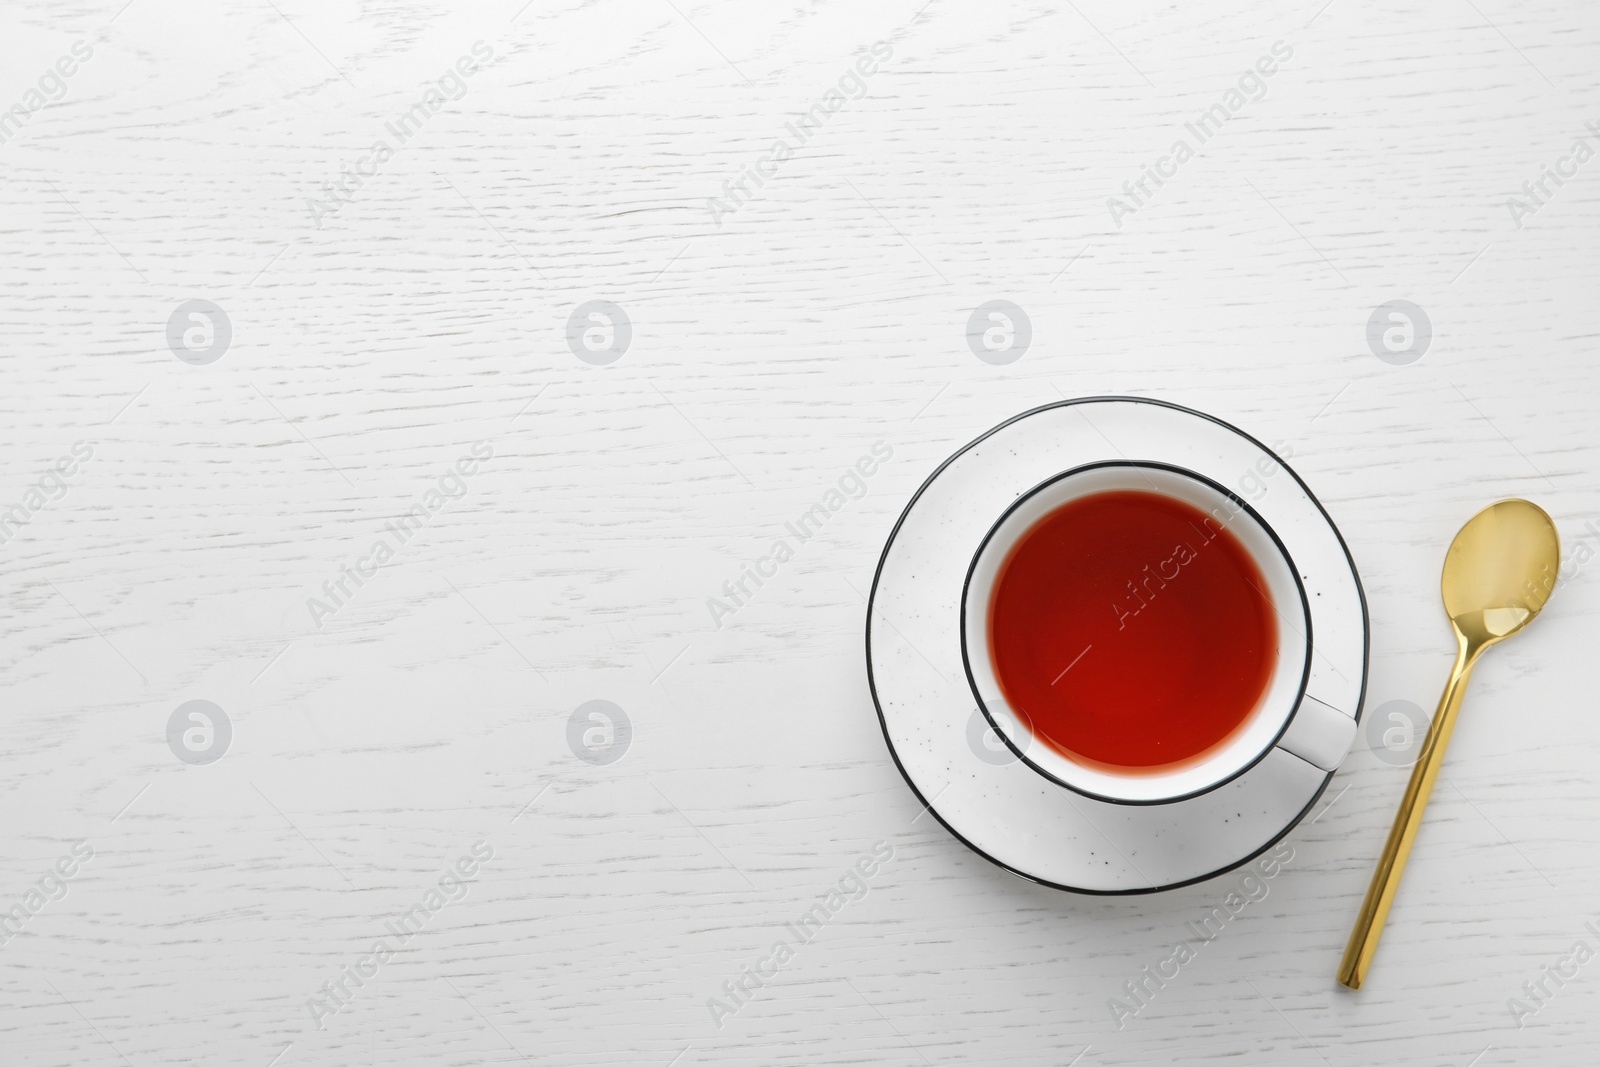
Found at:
<point>1319,733</point>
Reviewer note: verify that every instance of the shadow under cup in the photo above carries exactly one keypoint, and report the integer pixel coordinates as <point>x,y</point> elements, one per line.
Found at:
<point>1320,733</point>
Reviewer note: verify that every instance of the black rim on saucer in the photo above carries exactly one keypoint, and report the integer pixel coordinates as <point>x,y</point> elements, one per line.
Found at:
<point>1294,572</point>
<point>883,724</point>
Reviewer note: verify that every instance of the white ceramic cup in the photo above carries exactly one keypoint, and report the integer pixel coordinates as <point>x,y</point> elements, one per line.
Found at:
<point>1286,716</point>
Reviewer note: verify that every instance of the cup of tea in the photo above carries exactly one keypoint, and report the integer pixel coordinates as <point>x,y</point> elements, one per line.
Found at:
<point>1137,633</point>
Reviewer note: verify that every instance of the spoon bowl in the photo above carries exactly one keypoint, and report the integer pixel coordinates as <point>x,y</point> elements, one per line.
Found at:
<point>1499,571</point>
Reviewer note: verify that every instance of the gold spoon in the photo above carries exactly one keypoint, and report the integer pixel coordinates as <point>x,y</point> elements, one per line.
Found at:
<point>1498,574</point>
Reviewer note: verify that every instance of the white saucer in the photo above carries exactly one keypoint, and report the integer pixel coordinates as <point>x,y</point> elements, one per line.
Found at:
<point>991,801</point>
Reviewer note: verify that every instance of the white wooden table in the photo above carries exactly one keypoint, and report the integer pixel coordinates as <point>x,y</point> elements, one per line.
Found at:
<point>776,335</point>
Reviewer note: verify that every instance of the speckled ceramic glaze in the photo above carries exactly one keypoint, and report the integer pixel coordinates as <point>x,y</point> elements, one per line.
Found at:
<point>979,789</point>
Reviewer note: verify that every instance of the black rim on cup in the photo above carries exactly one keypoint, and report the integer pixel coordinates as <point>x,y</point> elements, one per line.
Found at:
<point>1132,464</point>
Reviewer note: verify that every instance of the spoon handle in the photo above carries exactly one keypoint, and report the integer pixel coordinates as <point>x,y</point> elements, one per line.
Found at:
<point>1386,879</point>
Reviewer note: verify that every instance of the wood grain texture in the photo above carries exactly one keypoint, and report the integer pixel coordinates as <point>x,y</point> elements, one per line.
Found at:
<point>771,347</point>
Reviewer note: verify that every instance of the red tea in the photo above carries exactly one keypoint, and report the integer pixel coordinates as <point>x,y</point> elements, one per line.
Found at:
<point>1132,631</point>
